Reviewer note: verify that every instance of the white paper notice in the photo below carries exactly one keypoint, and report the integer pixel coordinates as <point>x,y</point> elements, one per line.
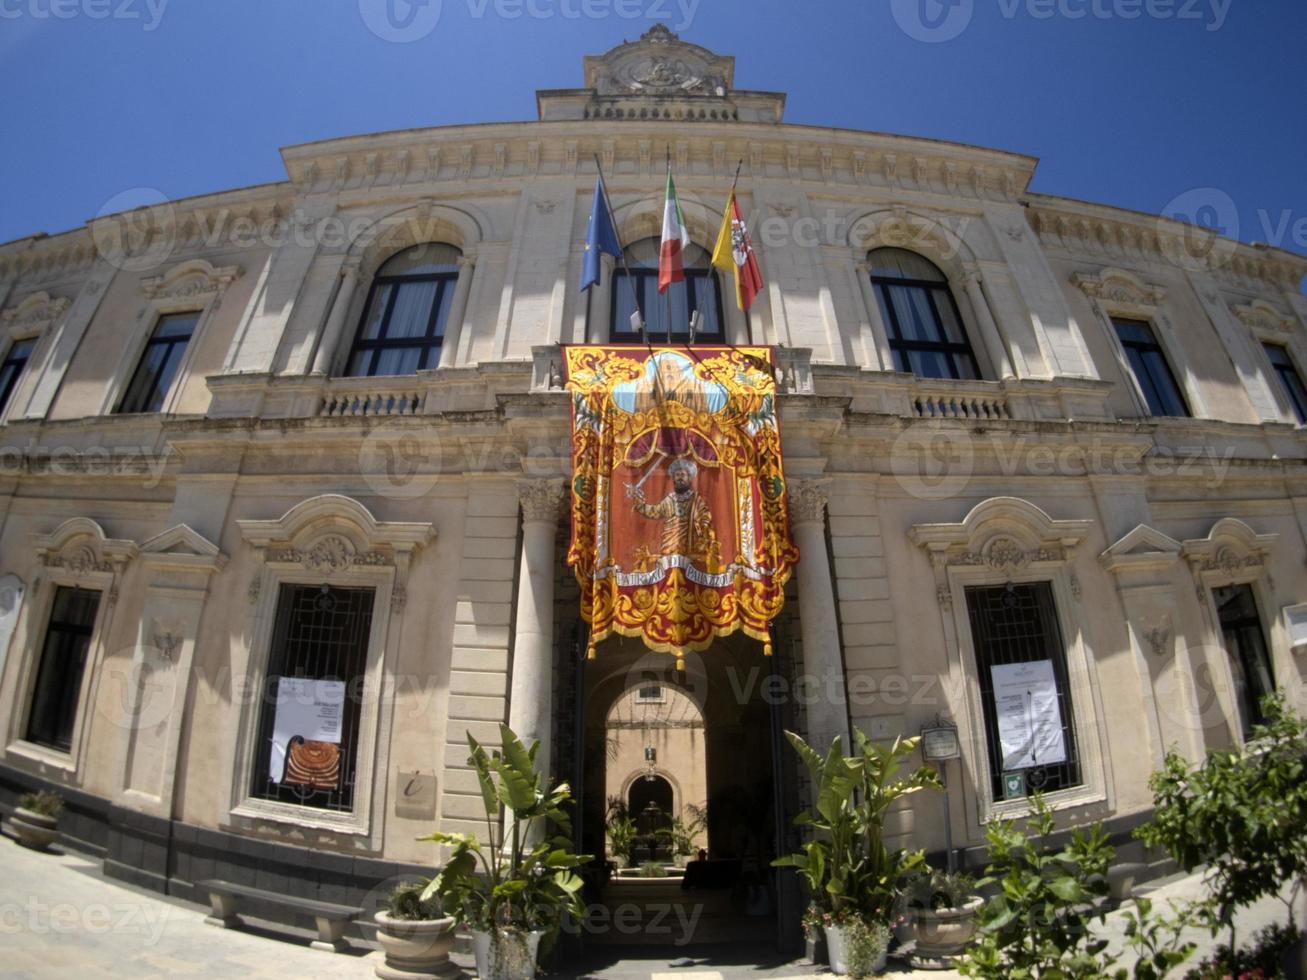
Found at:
<point>1029,722</point>
<point>313,710</point>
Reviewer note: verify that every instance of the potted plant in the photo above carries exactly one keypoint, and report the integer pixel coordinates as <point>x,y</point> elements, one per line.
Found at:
<point>814,935</point>
<point>415,935</point>
<point>36,820</point>
<point>848,861</point>
<point>512,890</point>
<point>621,839</point>
<point>684,835</point>
<point>944,906</point>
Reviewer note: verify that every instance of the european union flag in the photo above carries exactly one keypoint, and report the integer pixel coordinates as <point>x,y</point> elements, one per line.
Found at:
<point>602,238</point>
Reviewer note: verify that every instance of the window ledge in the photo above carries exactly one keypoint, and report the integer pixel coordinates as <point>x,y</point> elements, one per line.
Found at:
<point>1065,799</point>
<point>42,754</point>
<point>301,816</point>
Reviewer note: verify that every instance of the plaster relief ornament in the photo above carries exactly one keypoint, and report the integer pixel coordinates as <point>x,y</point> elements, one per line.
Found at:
<point>680,513</point>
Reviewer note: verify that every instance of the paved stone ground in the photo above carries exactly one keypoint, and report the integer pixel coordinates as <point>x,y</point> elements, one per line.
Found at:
<point>60,917</point>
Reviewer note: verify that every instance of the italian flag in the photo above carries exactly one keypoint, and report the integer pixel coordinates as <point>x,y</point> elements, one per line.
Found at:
<point>671,262</point>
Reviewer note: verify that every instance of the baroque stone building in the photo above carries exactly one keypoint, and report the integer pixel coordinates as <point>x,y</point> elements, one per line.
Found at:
<point>307,443</point>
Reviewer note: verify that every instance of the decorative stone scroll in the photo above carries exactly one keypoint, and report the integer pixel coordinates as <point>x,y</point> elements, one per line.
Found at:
<point>80,550</point>
<point>195,279</point>
<point>1231,554</point>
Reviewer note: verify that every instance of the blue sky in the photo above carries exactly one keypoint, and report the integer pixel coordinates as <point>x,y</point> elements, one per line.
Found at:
<point>1136,103</point>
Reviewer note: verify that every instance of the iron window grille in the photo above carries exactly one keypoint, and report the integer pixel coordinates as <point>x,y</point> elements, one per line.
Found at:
<point>15,362</point>
<point>320,633</point>
<point>407,313</point>
<point>1285,369</point>
<point>1151,369</point>
<point>700,291</point>
<point>1012,624</point>
<point>1245,644</point>
<point>926,335</point>
<point>63,663</point>
<point>157,368</point>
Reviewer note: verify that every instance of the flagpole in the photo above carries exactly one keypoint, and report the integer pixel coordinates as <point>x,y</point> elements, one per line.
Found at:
<point>630,279</point>
<point>667,293</point>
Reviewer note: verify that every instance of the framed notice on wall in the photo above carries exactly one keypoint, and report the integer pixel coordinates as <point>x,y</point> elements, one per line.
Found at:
<point>306,733</point>
<point>1029,719</point>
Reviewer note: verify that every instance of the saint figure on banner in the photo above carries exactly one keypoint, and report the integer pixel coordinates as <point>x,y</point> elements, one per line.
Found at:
<point>687,518</point>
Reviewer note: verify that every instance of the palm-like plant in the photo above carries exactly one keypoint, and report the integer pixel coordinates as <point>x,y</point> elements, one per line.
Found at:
<point>851,872</point>
<point>519,879</point>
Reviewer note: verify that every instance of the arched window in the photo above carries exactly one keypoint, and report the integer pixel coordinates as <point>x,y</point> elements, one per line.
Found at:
<point>699,292</point>
<point>922,320</point>
<point>407,312</point>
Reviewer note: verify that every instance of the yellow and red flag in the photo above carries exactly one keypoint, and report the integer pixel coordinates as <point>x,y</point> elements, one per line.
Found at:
<point>734,254</point>
<point>680,519</point>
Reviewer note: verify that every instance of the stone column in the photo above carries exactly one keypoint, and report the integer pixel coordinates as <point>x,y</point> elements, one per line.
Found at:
<point>988,327</point>
<point>531,704</point>
<point>823,685</point>
<point>457,309</point>
<point>879,341</point>
<point>335,328</point>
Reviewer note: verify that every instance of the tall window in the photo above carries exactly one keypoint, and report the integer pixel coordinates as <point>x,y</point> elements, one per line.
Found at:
<point>1029,727</point>
<point>1149,365</point>
<point>63,662</point>
<point>20,352</point>
<point>157,368</point>
<point>699,292</point>
<point>307,748</point>
<point>1285,369</point>
<point>925,329</point>
<point>1250,664</point>
<point>407,313</point>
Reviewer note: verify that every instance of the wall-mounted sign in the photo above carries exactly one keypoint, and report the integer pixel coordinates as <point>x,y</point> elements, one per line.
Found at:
<point>306,732</point>
<point>1029,720</point>
<point>940,744</point>
<point>415,794</point>
<point>1014,785</point>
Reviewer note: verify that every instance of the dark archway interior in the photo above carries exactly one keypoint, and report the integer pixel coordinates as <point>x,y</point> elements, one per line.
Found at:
<point>650,803</point>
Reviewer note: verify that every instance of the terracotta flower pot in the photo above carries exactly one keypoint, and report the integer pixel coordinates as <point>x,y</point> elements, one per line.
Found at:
<point>943,933</point>
<point>34,830</point>
<point>415,947</point>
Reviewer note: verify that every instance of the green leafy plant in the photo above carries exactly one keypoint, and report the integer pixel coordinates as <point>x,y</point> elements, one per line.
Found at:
<point>652,869</point>
<point>1038,925</point>
<point>1261,959</point>
<point>45,803</point>
<point>1157,942</point>
<point>621,838</point>
<point>684,833</point>
<point>1241,814</point>
<point>406,902</point>
<point>520,878</point>
<point>864,944</point>
<point>848,866</point>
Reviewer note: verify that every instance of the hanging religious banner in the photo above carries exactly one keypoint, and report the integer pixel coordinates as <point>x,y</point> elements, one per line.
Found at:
<point>680,524</point>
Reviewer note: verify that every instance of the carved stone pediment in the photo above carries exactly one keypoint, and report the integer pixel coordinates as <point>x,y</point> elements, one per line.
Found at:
<point>35,313</point>
<point>1264,318</point>
<point>1231,552</point>
<point>1142,549</point>
<point>660,64</point>
<point>1120,287</point>
<point>196,279</point>
<point>80,548</point>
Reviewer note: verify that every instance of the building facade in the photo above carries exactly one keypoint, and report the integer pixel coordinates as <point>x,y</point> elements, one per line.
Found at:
<point>308,443</point>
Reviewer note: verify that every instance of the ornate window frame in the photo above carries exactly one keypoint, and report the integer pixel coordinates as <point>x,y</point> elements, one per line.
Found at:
<point>328,539</point>
<point>76,554</point>
<point>194,286</point>
<point>1269,325</point>
<point>1006,539</point>
<point>32,319</point>
<point>1117,293</point>
<point>1234,554</point>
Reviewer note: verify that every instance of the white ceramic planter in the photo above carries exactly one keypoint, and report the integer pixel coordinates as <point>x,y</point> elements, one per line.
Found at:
<point>34,829</point>
<point>415,948</point>
<point>512,958</point>
<point>837,950</point>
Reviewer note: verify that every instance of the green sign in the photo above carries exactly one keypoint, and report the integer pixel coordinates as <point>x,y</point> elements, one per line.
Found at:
<point>1014,785</point>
